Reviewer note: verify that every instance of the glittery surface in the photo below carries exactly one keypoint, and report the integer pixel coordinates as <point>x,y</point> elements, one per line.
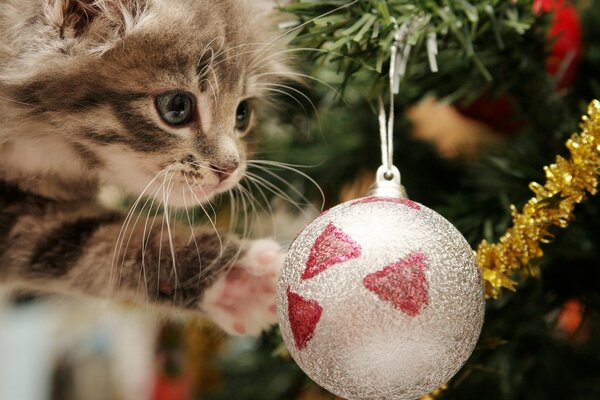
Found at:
<point>402,283</point>
<point>331,247</point>
<point>304,315</point>
<point>363,347</point>
<point>376,199</point>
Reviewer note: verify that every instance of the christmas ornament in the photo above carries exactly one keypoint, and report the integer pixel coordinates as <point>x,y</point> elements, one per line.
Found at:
<point>380,297</point>
<point>565,35</point>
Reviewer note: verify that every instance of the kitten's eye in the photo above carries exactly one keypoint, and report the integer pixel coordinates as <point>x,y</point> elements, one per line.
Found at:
<point>175,108</point>
<point>243,115</point>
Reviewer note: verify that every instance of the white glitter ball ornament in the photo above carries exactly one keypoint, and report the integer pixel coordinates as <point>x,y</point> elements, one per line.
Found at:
<point>380,298</point>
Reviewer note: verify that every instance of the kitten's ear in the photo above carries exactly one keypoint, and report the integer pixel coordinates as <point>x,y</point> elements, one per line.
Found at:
<point>72,17</point>
<point>96,19</point>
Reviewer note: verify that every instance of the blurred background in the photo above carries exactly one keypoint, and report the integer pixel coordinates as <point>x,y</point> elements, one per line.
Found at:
<point>513,80</point>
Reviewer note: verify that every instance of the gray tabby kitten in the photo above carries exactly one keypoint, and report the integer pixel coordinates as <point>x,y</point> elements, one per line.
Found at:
<point>156,97</point>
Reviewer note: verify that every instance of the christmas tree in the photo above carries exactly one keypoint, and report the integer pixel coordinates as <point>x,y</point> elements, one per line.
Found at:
<point>489,93</point>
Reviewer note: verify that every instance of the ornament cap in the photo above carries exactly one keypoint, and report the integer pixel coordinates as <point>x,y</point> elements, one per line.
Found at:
<point>387,183</point>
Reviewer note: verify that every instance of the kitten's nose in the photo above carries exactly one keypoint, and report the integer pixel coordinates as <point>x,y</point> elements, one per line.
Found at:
<point>224,170</point>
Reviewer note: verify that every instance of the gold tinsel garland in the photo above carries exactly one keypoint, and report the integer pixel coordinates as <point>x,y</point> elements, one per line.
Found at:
<point>567,182</point>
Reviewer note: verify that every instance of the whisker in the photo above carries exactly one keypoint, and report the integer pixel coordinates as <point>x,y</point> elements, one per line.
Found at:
<point>215,229</point>
<point>124,226</point>
<point>162,228</point>
<point>216,78</point>
<point>316,112</point>
<point>262,60</point>
<point>205,166</point>
<point>193,235</point>
<point>143,261</point>
<point>131,232</point>
<point>207,201</point>
<point>268,210</point>
<point>170,237</point>
<point>306,76</point>
<point>291,168</point>
<point>212,223</point>
<point>284,164</point>
<point>276,191</point>
<point>265,198</point>
<point>238,54</point>
<point>248,207</point>
<point>279,91</point>
<point>286,183</point>
<point>146,235</point>
<point>247,227</point>
<point>18,102</point>
<point>276,39</point>
<point>227,50</point>
<point>207,48</point>
<point>211,87</point>
<point>232,209</point>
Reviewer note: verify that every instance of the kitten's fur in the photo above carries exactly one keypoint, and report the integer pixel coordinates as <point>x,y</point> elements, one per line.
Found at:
<point>78,81</point>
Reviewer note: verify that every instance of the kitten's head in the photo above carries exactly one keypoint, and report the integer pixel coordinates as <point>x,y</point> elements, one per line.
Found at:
<point>156,96</point>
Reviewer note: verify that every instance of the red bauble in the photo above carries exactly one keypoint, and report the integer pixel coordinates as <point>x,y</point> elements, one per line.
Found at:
<point>497,113</point>
<point>565,36</point>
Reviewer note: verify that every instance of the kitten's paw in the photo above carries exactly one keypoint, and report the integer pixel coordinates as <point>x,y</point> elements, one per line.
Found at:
<point>242,301</point>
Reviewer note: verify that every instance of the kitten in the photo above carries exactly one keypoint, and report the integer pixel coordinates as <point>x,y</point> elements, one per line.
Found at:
<point>156,97</point>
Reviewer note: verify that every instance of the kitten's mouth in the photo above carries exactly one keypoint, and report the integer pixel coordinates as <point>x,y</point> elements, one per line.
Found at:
<point>187,189</point>
<point>185,195</point>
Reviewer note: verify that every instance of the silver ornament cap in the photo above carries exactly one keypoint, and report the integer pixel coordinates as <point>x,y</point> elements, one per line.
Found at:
<point>380,299</point>
<point>387,183</point>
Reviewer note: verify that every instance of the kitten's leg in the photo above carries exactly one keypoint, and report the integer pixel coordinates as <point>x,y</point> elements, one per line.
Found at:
<point>232,281</point>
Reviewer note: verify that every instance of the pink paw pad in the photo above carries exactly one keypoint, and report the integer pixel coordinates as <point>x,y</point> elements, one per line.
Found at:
<point>242,300</point>
<point>239,328</point>
<point>267,257</point>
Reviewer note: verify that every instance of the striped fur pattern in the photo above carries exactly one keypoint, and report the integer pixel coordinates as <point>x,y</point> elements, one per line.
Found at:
<point>79,81</point>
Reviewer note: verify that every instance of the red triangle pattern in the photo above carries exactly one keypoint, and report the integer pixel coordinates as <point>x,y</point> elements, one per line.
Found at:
<point>403,284</point>
<point>333,246</point>
<point>304,315</point>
